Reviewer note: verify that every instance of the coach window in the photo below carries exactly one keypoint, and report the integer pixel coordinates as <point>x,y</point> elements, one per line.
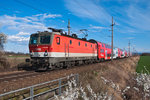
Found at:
<point>79,43</point>
<point>106,46</point>
<point>58,40</point>
<point>70,41</point>
<point>102,50</point>
<point>95,46</point>
<point>86,44</point>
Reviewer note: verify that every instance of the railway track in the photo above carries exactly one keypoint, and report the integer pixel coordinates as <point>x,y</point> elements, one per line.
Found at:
<point>14,76</point>
<point>21,75</point>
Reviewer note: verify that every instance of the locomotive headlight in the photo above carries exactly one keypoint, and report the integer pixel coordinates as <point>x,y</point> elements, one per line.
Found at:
<point>31,53</point>
<point>46,54</point>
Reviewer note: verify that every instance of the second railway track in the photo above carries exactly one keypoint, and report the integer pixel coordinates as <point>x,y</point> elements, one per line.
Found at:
<point>9,77</point>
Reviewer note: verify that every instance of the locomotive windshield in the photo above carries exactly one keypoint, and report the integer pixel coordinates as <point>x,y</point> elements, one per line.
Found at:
<point>40,39</point>
<point>45,39</point>
<point>34,39</point>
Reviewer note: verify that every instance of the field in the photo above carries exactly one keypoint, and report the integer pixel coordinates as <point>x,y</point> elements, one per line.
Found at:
<point>11,61</point>
<point>143,65</point>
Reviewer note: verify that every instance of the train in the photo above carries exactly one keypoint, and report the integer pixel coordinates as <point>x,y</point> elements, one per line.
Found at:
<point>56,49</point>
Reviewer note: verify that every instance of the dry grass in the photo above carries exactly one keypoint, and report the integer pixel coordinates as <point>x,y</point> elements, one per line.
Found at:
<point>10,63</point>
<point>119,73</point>
<point>4,64</point>
<point>15,61</point>
<point>93,78</point>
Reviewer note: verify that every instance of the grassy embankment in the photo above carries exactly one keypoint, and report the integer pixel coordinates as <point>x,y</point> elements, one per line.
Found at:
<point>143,65</point>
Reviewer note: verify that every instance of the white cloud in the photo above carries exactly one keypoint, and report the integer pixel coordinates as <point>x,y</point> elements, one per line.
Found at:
<point>17,11</point>
<point>98,27</point>
<point>88,9</point>
<point>50,16</point>
<point>16,38</point>
<point>1,25</point>
<point>23,33</point>
<point>130,38</point>
<point>143,50</point>
<point>139,17</point>
<point>28,24</point>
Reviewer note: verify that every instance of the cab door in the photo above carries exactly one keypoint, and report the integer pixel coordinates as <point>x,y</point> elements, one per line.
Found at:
<point>66,49</point>
<point>106,54</point>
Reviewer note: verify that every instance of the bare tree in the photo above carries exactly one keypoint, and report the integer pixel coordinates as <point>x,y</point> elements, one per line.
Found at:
<point>3,39</point>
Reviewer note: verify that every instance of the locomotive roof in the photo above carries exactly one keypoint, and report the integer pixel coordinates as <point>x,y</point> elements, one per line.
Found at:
<point>83,39</point>
<point>44,32</point>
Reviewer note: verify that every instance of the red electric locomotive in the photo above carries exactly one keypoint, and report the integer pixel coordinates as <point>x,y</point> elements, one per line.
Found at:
<point>55,49</point>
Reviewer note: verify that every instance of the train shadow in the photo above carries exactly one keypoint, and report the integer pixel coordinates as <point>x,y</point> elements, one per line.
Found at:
<point>28,67</point>
<point>25,66</point>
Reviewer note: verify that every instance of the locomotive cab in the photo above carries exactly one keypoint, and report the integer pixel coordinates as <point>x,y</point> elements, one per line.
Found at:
<point>40,44</point>
<point>40,47</point>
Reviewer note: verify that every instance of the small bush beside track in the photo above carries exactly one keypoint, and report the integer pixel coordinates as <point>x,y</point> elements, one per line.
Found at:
<point>4,64</point>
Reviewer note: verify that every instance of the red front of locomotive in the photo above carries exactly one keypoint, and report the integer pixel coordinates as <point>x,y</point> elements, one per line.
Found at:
<point>40,45</point>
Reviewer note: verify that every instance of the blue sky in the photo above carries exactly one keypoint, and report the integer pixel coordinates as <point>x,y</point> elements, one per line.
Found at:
<point>20,18</point>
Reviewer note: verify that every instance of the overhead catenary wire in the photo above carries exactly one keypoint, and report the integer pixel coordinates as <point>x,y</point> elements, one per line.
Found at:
<point>89,12</point>
<point>25,4</point>
<point>34,8</point>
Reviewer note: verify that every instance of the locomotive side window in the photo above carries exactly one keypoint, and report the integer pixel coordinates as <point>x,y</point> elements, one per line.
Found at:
<point>86,44</point>
<point>109,55</point>
<point>91,45</point>
<point>45,39</point>
<point>58,40</point>
<point>70,41</point>
<point>79,43</point>
<point>102,51</point>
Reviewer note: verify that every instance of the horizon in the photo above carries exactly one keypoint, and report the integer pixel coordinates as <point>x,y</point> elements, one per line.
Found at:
<point>19,19</point>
